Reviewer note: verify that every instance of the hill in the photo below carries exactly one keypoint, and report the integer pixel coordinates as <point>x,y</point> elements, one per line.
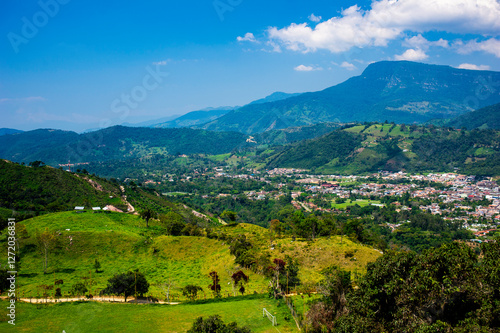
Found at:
<point>36,145</point>
<point>373,147</point>
<point>293,134</point>
<point>43,188</point>
<point>402,91</point>
<point>113,143</point>
<point>487,117</point>
<point>312,257</point>
<point>120,242</point>
<point>5,131</point>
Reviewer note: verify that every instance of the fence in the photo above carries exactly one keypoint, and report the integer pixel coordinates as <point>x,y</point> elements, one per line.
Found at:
<point>289,303</point>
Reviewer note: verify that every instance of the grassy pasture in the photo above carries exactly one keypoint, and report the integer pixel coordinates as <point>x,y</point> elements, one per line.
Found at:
<point>107,317</point>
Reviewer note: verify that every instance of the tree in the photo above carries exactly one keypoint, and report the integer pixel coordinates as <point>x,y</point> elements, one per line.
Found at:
<point>230,215</point>
<point>78,289</point>
<point>276,227</point>
<point>4,282</point>
<point>214,324</point>
<point>46,241</point>
<point>191,291</point>
<point>146,215</point>
<point>215,286</point>
<point>97,266</point>
<point>240,247</point>
<point>174,223</point>
<point>279,270</point>
<point>166,286</point>
<point>240,278</point>
<point>36,164</point>
<point>127,284</point>
<point>292,274</point>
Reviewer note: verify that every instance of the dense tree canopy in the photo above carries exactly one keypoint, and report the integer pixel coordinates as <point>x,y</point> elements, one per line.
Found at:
<point>448,289</point>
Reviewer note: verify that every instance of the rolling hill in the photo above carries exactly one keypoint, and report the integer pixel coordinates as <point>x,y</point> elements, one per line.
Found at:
<point>5,131</point>
<point>487,117</point>
<point>114,143</point>
<point>400,91</point>
<point>121,242</point>
<point>373,147</point>
<point>42,189</point>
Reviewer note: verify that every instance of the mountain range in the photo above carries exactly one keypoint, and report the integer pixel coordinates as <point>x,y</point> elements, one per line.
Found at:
<point>399,91</point>
<point>195,119</point>
<point>406,91</point>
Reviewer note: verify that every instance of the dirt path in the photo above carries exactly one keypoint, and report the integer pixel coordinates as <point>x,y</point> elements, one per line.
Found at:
<point>104,299</point>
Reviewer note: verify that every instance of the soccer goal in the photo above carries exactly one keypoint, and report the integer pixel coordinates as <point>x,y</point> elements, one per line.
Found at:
<point>269,316</point>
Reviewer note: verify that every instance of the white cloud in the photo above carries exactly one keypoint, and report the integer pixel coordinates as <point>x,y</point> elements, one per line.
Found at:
<point>314,18</point>
<point>474,67</point>
<point>249,37</point>
<point>387,20</point>
<point>303,68</point>
<point>422,43</point>
<point>491,45</point>
<point>348,66</point>
<point>412,55</point>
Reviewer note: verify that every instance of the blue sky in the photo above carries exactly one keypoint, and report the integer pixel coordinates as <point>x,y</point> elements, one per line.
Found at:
<point>75,65</point>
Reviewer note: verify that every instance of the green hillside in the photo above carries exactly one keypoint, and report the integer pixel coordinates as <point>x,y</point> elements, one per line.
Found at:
<point>373,147</point>
<point>313,153</point>
<point>294,134</point>
<point>121,242</point>
<point>114,143</point>
<point>488,117</point>
<point>43,188</point>
<point>312,257</point>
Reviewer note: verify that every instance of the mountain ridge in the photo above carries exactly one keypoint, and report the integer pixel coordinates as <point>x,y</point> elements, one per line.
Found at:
<point>487,117</point>
<point>399,91</point>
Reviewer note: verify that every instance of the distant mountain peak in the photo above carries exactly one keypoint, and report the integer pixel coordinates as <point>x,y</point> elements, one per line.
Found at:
<point>274,97</point>
<point>399,91</point>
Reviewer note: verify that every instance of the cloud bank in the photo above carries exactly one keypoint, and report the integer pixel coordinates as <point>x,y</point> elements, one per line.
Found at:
<point>388,20</point>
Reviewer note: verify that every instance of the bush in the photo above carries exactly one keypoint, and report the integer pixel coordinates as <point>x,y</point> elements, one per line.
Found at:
<point>78,289</point>
<point>216,325</point>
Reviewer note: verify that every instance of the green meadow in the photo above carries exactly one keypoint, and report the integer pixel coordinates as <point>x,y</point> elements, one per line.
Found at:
<point>107,317</point>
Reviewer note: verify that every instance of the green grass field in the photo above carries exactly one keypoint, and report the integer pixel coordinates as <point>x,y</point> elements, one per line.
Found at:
<point>107,317</point>
<point>349,202</point>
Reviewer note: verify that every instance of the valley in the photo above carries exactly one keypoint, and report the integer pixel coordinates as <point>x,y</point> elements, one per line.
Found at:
<point>317,212</point>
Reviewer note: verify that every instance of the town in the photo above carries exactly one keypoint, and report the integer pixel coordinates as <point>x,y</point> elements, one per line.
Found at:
<point>470,200</point>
